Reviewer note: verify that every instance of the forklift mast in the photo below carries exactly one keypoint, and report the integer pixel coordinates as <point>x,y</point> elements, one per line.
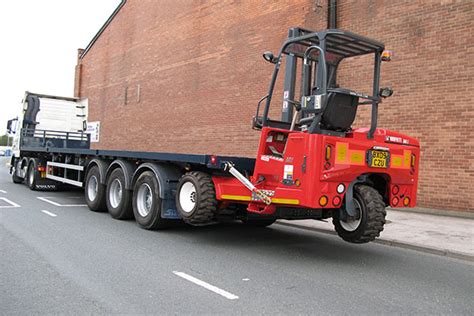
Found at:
<point>318,55</point>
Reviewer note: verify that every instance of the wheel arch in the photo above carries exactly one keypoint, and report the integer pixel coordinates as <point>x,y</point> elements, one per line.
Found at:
<point>128,170</point>
<point>102,165</point>
<point>25,162</point>
<point>380,182</point>
<point>166,174</point>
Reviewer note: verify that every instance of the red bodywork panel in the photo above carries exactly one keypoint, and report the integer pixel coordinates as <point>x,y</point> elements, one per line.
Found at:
<point>297,169</point>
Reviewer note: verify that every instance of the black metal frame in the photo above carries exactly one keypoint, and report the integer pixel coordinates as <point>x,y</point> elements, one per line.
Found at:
<point>31,137</point>
<point>333,45</point>
<point>78,144</point>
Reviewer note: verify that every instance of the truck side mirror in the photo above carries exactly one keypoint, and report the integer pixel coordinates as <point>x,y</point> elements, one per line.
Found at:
<point>9,126</point>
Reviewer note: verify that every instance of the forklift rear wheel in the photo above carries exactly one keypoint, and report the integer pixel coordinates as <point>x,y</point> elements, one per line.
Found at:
<point>147,202</point>
<point>31,177</point>
<point>370,219</point>
<point>196,198</point>
<point>119,199</point>
<point>95,191</point>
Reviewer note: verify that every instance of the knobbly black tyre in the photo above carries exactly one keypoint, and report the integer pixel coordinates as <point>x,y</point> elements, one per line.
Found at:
<point>371,207</point>
<point>94,191</point>
<point>259,222</point>
<point>196,198</point>
<point>118,198</point>
<point>147,202</point>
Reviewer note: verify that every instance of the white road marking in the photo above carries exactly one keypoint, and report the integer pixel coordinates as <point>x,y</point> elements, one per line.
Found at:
<point>3,191</point>
<point>206,285</point>
<point>246,279</point>
<point>49,213</point>
<point>46,199</point>
<point>12,204</point>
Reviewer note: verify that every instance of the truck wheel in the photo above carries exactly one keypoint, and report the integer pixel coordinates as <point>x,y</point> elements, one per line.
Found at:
<point>370,220</point>
<point>16,179</point>
<point>147,202</point>
<point>196,198</point>
<point>259,222</point>
<point>31,177</point>
<point>94,191</point>
<point>119,199</point>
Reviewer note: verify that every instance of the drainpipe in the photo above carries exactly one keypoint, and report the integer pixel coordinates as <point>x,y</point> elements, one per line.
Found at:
<point>332,14</point>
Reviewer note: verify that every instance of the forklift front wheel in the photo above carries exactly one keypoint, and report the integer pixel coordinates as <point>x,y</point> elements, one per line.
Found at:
<point>196,198</point>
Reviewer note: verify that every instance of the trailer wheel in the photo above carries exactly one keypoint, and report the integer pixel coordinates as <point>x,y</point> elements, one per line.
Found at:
<point>370,221</point>
<point>196,198</point>
<point>94,191</point>
<point>147,202</point>
<point>31,177</point>
<point>16,179</point>
<point>119,199</point>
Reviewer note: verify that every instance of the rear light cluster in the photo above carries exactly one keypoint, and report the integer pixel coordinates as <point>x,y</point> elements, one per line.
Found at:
<point>41,169</point>
<point>396,199</point>
<point>336,200</point>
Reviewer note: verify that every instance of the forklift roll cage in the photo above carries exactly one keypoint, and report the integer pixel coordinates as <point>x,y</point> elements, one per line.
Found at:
<point>324,51</point>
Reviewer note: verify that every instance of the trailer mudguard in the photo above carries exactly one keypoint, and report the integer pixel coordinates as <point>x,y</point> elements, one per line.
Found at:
<point>128,170</point>
<point>103,166</point>
<point>168,177</point>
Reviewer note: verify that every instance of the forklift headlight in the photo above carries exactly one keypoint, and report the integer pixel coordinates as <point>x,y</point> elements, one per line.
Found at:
<point>386,92</point>
<point>268,56</point>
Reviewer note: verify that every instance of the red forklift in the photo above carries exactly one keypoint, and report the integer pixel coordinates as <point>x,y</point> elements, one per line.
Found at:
<point>311,163</point>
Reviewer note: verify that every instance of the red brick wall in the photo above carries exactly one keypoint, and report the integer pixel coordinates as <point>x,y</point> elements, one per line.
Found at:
<point>432,76</point>
<point>199,71</point>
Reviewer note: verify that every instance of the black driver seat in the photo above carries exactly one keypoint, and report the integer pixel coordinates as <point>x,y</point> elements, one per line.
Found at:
<point>340,112</point>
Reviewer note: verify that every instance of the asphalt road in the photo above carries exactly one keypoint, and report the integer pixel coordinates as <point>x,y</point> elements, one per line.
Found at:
<point>67,259</point>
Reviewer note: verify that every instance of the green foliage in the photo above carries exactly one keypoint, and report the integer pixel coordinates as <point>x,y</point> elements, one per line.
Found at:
<point>5,141</point>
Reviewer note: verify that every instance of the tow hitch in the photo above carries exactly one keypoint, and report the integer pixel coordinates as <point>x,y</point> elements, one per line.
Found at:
<point>228,166</point>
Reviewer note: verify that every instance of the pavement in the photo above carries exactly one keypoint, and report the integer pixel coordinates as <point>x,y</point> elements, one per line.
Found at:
<point>437,234</point>
<point>57,257</point>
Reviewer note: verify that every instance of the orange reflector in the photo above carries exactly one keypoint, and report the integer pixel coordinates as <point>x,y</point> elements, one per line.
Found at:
<point>387,55</point>
<point>406,201</point>
<point>323,201</point>
<point>328,152</point>
<point>297,182</point>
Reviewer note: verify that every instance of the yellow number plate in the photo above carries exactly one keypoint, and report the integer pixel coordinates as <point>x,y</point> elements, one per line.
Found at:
<point>378,159</point>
